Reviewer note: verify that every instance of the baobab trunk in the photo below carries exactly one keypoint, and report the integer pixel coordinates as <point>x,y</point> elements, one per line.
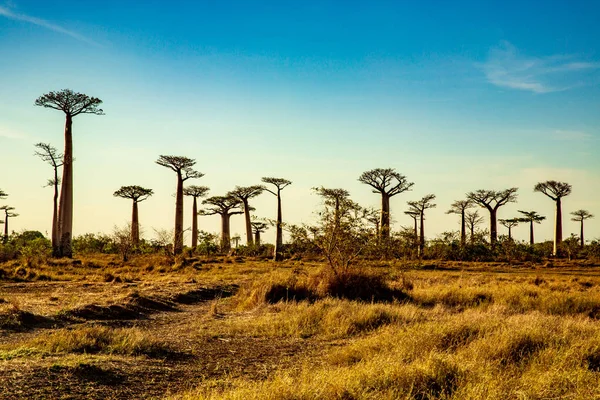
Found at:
<point>581,234</point>
<point>248,223</point>
<point>225,235</point>
<point>65,211</point>
<point>5,228</point>
<point>509,233</point>
<point>55,235</point>
<point>257,238</point>
<point>493,227</point>
<point>178,239</point>
<point>557,228</point>
<point>463,228</point>
<point>135,225</point>
<point>195,224</point>
<point>531,241</point>
<point>385,216</point>
<point>422,236</point>
<point>279,238</point>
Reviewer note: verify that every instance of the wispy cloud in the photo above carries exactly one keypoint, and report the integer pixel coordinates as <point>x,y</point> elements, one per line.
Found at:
<point>8,13</point>
<point>506,67</point>
<point>10,134</point>
<point>571,135</point>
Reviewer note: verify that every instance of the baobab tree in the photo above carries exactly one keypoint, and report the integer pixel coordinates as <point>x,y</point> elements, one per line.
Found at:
<point>419,206</point>
<point>279,184</point>
<point>244,194</point>
<point>338,199</point>
<point>182,166</point>
<point>556,191</point>
<point>509,224</point>
<point>3,194</point>
<point>258,227</point>
<point>50,154</point>
<point>388,183</point>
<point>195,192</point>
<point>414,214</point>
<point>8,213</point>
<point>531,217</point>
<point>580,216</point>
<point>225,206</point>
<point>492,200</point>
<point>71,104</point>
<point>460,207</point>
<point>472,218</point>
<point>137,194</point>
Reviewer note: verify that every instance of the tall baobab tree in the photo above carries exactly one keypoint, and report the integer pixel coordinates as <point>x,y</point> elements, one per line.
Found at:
<point>50,154</point>
<point>531,217</point>
<point>419,206</point>
<point>279,184</point>
<point>460,207</point>
<point>509,224</point>
<point>580,216</point>
<point>182,166</point>
<point>244,194</point>
<point>8,213</point>
<point>556,191</point>
<point>225,206</point>
<point>258,227</point>
<point>472,218</point>
<point>137,194</point>
<point>492,200</point>
<point>388,183</point>
<point>71,104</point>
<point>195,192</point>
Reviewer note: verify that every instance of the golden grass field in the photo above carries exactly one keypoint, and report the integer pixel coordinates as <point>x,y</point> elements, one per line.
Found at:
<point>232,329</point>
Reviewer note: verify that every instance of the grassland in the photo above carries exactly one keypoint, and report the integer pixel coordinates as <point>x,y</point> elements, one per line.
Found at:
<point>249,329</point>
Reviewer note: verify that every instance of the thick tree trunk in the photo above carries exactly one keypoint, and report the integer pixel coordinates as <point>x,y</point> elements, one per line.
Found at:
<point>55,235</point>
<point>493,227</point>
<point>385,216</point>
<point>6,227</point>
<point>135,225</point>
<point>422,235</point>
<point>463,233</point>
<point>278,256</point>
<point>225,235</point>
<point>65,210</point>
<point>249,241</point>
<point>531,239</point>
<point>557,228</point>
<point>257,238</point>
<point>509,233</point>
<point>195,224</point>
<point>178,238</point>
<point>472,229</point>
<point>581,234</point>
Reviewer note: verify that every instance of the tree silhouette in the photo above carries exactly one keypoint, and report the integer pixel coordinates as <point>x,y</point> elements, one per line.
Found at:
<point>414,214</point>
<point>225,206</point>
<point>195,192</point>
<point>8,213</point>
<point>492,200</point>
<point>137,194</point>
<point>460,207</point>
<point>473,219</point>
<point>419,206</point>
<point>556,191</point>
<point>279,184</point>
<point>258,227</point>
<point>580,216</point>
<point>244,194</point>
<point>338,199</point>
<point>510,223</point>
<point>50,154</point>
<point>388,183</point>
<point>531,217</point>
<point>3,194</point>
<point>72,104</point>
<point>182,166</point>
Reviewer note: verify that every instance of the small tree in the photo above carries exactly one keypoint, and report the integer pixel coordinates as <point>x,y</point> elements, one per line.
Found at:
<point>460,207</point>
<point>258,227</point>
<point>123,239</point>
<point>244,194</point>
<point>3,194</point>
<point>388,183</point>
<point>580,216</point>
<point>279,184</point>
<point>225,206</point>
<point>419,206</point>
<point>492,200</point>
<point>195,192</point>
<point>50,154</point>
<point>182,166</point>
<point>414,214</point>
<point>531,217</point>
<point>509,224</point>
<point>473,219</point>
<point>137,194</point>
<point>8,213</point>
<point>72,104</point>
<point>556,191</point>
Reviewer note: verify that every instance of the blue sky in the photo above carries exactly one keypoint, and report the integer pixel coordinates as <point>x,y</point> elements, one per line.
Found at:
<point>457,96</point>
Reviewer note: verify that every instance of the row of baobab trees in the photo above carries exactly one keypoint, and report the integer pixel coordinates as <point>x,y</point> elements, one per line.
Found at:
<point>384,181</point>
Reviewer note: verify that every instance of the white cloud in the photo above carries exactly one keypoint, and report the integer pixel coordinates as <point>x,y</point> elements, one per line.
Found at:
<point>9,134</point>
<point>8,13</point>
<point>506,67</point>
